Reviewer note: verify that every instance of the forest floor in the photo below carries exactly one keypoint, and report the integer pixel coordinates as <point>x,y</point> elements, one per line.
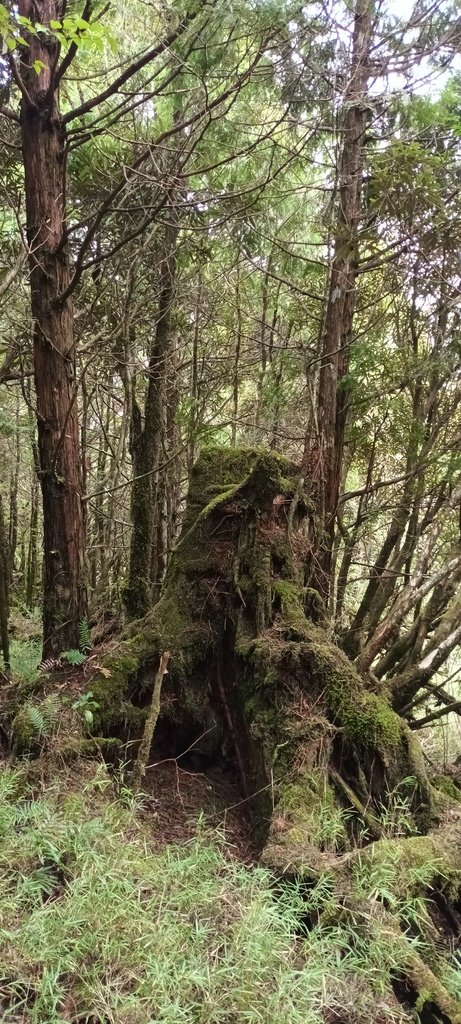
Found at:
<point>178,797</point>
<point>152,909</point>
<point>120,908</point>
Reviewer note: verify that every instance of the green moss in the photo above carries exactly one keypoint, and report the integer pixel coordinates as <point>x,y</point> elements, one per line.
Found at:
<point>290,595</point>
<point>420,862</point>
<point>110,689</point>
<point>298,799</point>
<point>72,748</point>
<point>366,718</point>
<point>307,827</point>
<point>220,472</point>
<point>309,808</point>
<point>432,991</point>
<point>447,786</point>
<point>219,499</point>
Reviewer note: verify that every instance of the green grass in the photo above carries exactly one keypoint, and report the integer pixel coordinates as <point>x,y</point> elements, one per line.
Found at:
<point>25,657</point>
<point>97,927</point>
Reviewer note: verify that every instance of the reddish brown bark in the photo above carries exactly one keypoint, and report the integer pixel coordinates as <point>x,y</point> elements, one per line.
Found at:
<point>44,155</point>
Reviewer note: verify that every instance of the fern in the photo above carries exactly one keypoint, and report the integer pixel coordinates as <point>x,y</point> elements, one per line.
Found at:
<point>84,636</point>
<point>50,665</point>
<point>74,657</point>
<point>36,719</point>
<point>44,717</point>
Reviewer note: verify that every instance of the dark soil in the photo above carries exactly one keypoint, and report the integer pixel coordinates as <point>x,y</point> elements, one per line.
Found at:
<point>177,796</point>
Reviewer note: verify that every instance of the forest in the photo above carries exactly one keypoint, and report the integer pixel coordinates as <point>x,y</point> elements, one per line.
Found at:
<point>230,512</point>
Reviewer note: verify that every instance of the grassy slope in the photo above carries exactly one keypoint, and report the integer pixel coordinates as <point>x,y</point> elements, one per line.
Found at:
<point>98,926</point>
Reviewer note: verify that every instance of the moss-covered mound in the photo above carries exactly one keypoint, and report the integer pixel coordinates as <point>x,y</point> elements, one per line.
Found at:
<point>253,667</point>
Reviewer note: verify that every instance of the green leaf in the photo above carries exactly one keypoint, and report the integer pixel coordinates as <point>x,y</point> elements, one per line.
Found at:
<point>74,657</point>
<point>62,38</point>
<point>38,66</point>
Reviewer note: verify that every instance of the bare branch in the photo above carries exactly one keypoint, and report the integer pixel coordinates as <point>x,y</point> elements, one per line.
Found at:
<point>10,114</point>
<point>137,65</point>
<point>419,723</point>
<point>12,274</point>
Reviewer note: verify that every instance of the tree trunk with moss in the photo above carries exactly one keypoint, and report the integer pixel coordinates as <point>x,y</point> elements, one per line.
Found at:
<point>250,651</point>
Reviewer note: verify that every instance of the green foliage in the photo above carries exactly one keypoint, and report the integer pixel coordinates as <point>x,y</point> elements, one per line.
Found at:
<point>25,656</point>
<point>85,705</point>
<point>396,818</point>
<point>452,976</point>
<point>377,924</point>
<point>331,824</point>
<point>73,29</point>
<point>84,635</point>
<point>8,29</point>
<point>37,721</point>
<point>74,657</point>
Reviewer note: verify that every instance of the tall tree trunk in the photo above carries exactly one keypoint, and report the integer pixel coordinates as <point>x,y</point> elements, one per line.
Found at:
<point>193,417</point>
<point>44,155</point>
<point>237,350</point>
<point>4,592</point>
<point>146,440</point>
<point>31,570</point>
<point>262,348</point>
<point>278,378</point>
<point>174,470</point>
<point>14,486</point>
<point>332,398</point>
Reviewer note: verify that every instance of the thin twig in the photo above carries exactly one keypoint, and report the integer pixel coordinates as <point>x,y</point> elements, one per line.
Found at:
<point>151,722</point>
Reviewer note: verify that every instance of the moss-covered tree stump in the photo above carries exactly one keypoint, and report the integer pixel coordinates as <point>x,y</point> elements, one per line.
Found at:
<point>253,666</point>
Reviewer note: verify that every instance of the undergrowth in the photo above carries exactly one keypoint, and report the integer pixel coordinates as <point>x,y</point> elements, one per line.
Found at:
<point>25,657</point>
<point>99,927</point>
